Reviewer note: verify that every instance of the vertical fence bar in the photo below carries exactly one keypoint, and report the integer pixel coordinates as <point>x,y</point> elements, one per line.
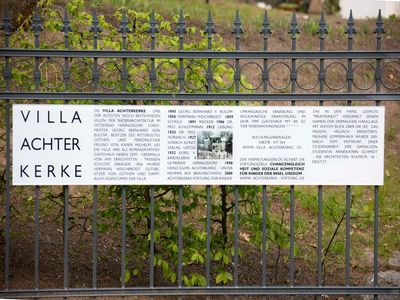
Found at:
<point>94,237</point>
<point>95,29</point>
<point>237,30</point>
<point>124,29</point>
<point>265,31</point>
<point>348,207</point>
<point>37,240</point>
<point>151,274</point>
<point>7,197</point>
<point>180,237</point>
<point>6,27</point>
<point>293,31</point>
<point>264,236</point>
<point>66,28</point>
<point>350,31</point>
<point>123,237</point>
<point>322,32</point>
<point>376,235</point>
<point>379,31</point>
<point>209,31</point>
<point>37,27</point>
<point>152,31</point>
<point>180,30</point>
<point>292,268</point>
<point>208,255</point>
<point>319,246</point>
<point>66,238</point>
<point>236,242</point>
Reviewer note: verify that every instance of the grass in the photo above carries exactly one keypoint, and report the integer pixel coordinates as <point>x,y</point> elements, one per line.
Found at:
<point>196,8</point>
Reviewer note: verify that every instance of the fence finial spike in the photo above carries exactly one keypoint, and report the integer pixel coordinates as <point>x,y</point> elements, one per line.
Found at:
<point>266,19</point>
<point>124,28</point>
<point>124,18</point>
<point>350,30</point>
<point>6,22</point>
<point>152,17</point>
<point>36,22</point>
<point>6,12</point>
<point>66,17</point>
<point>181,26</point>
<point>322,18</point>
<point>95,28</point>
<point>181,16</point>
<point>266,29</point>
<point>66,27</point>
<point>294,18</point>
<point>237,17</point>
<point>379,29</point>
<point>351,17</point>
<point>210,28</point>
<point>153,29</point>
<point>379,16</point>
<point>322,30</point>
<point>237,25</point>
<point>293,31</point>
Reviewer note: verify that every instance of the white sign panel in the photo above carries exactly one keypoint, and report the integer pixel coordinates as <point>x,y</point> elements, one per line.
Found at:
<point>155,145</point>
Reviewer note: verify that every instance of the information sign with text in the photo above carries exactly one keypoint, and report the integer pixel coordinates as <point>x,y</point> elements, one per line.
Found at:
<point>197,145</point>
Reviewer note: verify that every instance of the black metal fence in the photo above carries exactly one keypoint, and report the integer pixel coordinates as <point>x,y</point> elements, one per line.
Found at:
<point>264,61</point>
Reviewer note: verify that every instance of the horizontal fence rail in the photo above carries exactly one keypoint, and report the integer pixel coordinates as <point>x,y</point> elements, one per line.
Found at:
<point>186,54</point>
<point>124,88</point>
<point>209,291</point>
<point>199,97</point>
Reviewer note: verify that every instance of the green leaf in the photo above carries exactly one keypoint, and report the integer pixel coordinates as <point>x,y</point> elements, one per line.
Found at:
<point>194,257</point>
<point>127,276</point>
<point>203,236</point>
<point>185,280</point>
<point>223,276</point>
<point>165,266</point>
<point>157,235</point>
<point>201,280</point>
<point>218,78</point>
<point>136,272</point>
<point>159,262</point>
<point>218,255</point>
<point>173,277</point>
<point>225,259</point>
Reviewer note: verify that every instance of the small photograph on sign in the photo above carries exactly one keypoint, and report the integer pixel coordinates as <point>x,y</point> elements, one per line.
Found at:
<point>214,144</point>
